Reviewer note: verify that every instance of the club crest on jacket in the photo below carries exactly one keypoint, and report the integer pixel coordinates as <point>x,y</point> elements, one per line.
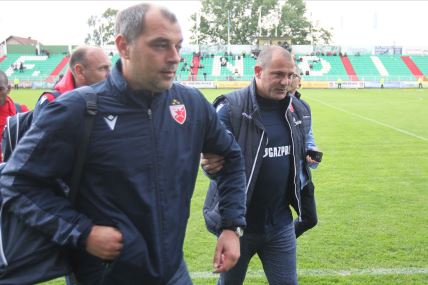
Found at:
<point>178,111</point>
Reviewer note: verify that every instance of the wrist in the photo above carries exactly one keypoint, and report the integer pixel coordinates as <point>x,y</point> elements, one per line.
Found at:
<point>237,230</point>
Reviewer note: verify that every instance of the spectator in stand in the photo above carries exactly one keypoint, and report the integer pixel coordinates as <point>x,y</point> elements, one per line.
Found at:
<point>223,61</point>
<point>236,73</point>
<point>21,67</point>
<point>7,106</point>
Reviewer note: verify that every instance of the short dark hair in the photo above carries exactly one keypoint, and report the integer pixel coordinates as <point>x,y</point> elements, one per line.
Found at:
<point>130,21</point>
<point>265,56</point>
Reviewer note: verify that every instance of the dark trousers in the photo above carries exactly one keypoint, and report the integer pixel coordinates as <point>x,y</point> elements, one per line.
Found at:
<point>309,210</point>
<point>277,252</point>
<point>181,277</point>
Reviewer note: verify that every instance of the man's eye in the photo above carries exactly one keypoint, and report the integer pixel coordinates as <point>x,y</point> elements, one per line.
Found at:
<point>161,45</point>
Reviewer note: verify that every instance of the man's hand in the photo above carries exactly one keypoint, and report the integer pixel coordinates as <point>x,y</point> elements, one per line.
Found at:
<point>104,242</point>
<point>310,161</point>
<point>227,251</point>
<point>211,163</point>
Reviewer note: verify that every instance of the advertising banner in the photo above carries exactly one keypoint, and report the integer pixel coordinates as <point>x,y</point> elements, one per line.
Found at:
<point>314,84</point>
<point>347,84</point>
<point>232,84</point>
<point>199,84</point>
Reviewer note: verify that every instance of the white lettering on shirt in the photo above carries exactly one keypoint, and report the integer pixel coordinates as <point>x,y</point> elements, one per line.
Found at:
<point>277,151</point>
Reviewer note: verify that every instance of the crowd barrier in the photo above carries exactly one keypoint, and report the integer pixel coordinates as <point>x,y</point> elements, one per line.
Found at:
<point>242,84</point>
<point>307,84</point>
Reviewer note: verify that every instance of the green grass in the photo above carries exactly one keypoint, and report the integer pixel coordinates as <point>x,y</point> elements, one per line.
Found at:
<point>371,191</point>
<point>27,97</point>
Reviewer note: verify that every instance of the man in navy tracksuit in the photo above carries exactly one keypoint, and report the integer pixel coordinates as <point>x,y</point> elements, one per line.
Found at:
<point>271,128</point>
<point>141,166</point>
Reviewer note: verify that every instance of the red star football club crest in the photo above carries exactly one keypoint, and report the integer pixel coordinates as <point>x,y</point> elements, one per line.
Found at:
<point>178,113</point>
<point>291,109</point>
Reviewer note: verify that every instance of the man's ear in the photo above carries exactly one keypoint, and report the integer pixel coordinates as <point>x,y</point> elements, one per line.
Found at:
<point>122,46</point>
<point>258,71</point>
<point>78,70</point>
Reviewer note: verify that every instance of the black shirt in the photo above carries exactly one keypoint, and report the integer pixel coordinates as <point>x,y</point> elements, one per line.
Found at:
<point>269,208</point>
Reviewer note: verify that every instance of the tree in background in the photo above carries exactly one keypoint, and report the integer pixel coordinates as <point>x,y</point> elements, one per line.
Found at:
<point>298,28</point>
<point>239,22</point>
<point>102,28</point>
<point>216,17</point>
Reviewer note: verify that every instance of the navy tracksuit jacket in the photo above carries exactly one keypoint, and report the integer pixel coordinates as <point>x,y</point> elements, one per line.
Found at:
<point>139,176</point>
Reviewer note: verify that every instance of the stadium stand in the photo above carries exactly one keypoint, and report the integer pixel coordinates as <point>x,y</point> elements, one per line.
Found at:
<point>364,67</point>
<point>412,67</point>
<point>397,69</point>
<point>35,67</point>
<point>237,67</point>
<point>322,68</point>
<point>349,69</point>
<point>422,63</point>
<point>183,70</point>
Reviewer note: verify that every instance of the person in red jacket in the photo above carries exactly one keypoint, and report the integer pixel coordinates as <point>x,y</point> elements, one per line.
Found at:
<point>7,106</point>
<point>88,65</point>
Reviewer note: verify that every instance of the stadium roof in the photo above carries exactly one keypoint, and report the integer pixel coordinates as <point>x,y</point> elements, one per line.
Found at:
<point>14,40</point>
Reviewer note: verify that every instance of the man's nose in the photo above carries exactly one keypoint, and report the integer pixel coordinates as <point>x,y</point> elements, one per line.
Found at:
<point>174,55</point>
<point>285,81</point>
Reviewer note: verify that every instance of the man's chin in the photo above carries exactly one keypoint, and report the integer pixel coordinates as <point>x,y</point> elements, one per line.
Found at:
<point>163,86</point>
<point>279,96</point>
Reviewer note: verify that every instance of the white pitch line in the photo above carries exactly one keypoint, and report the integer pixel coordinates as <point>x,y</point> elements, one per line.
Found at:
<point>373,121</point>
<point>327,272</point>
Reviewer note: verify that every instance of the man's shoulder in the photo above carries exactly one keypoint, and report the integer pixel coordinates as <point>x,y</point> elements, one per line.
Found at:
<point>236,97</point>
<point>301,105</point>
<point>187,94</point>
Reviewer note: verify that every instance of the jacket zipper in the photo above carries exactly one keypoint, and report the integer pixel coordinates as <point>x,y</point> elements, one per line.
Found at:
<point>158,196</point>
<point>2,254</point>
<point>294,161</point>
<point>254,163</point>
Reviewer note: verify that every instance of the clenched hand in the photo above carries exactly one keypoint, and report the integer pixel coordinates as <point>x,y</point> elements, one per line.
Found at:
<point>104,242</point>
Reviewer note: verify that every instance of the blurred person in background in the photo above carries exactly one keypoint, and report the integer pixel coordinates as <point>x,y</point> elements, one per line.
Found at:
<point>7,106</point>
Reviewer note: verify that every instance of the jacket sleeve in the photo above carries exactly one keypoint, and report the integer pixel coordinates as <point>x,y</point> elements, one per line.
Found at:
<point>29,181</point>
<point>309,137</point>
<point>42,102</point>
<point>231,179</point>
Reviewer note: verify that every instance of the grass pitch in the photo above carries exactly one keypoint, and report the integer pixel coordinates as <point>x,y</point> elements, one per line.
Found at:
<point>371,191</point>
